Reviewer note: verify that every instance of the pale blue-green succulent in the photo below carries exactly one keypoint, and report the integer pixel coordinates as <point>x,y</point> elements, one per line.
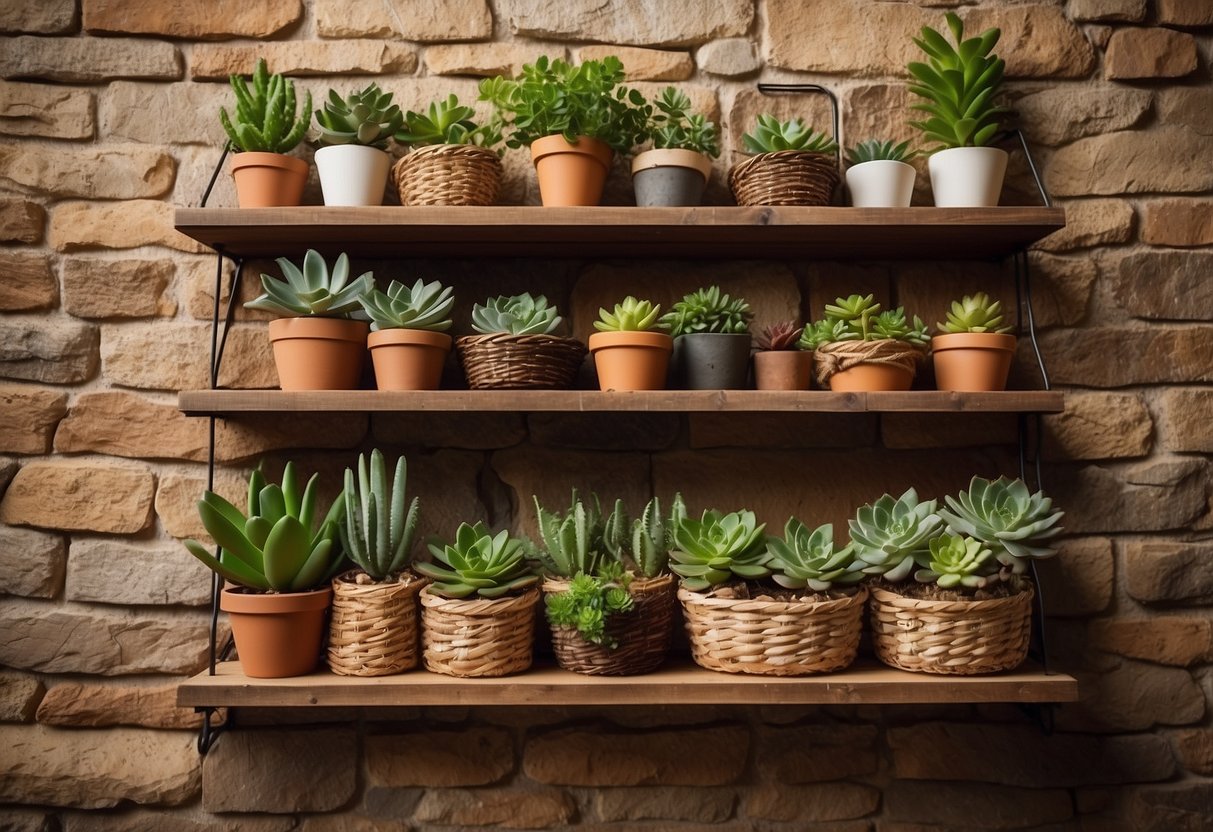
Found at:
<point>1015,523</point>
<point>478,563</point>
<point>420,306</point>
<point>516,315</point>
<point>719,547</point>
<point>889,533</point>
<point>314,289</point>
<point>806,558</point>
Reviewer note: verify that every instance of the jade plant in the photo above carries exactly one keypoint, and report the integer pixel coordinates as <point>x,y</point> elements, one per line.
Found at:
<point>378,530</point>
<point>781,336</point>
<point>631,316</point>
<point>889,534</point>
<point>266,118</point>
<point>315,289</point>
<point>1003,514</point>
<point>367,117</point>
<point>448,122</point>
<point>975,313</point>
<point>573,543</point>
<point>954,561</point>
<point>875,150</point>
<point>644,545</point>
<point>717,548</point>
<point>708,310</point>
<point>590,603</point>
<point>672,125</point>
<point>808,559</point>
<point>422,306</point>
<point>516,315</point>
<point>859,318</point>
<point>276,546</point>
<point>771,135</point>
<point>478,563</point>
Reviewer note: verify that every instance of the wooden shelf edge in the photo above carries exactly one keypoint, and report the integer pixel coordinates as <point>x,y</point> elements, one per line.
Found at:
<point>679,682</point>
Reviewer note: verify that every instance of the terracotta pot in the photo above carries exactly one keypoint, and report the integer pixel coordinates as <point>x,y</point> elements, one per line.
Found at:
<point>871,378</point>
<point>670,176</point>
<point>268,180</point>
<point>408,359</point>
<point>631,360</point>
<point>277,634</point>
<point>972,361</point>
<point>570,174</point>
<point>318,353</point>
<point>783,369</point>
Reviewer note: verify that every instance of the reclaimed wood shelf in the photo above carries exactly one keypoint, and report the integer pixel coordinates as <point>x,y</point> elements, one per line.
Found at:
<point>825,233</point>
<point>679,682</point>
<point>228,402</point>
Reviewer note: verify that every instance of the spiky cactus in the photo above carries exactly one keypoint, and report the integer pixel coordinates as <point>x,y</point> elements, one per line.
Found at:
<point>366,118</point>
<point>646,547</point>
<point>378,531</point>
<point>265,119</point>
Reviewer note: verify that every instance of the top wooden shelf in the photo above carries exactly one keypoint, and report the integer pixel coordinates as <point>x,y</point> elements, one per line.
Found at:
<point>624,232</point>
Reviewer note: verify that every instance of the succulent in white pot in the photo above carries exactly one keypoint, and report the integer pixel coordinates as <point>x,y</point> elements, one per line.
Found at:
<point>879,175</point>
<point>353,161</point>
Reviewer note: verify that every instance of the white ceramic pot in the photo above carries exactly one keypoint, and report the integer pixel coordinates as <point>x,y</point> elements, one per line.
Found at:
<point>881,183</point>
<point>352,174</point>
<point>967,177</point>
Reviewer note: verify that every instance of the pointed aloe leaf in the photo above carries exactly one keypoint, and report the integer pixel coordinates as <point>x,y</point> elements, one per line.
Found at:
<point>233,570</point>
<point>286,550</point>
<point>229,536</point>
<point>314,568</point>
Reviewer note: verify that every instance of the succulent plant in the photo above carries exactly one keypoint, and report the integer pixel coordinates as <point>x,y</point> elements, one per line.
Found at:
<point>959,83</point>
<point>975,313</point>
<point>478,563</point>
<point>771,135</point>
<point>423,306</point>
<point>589,604</point>
<point>889,533</point>
<point>718,547</point>
<point>266,118</point>
<point>378,531</point>
<point>448,122</point>
<point>859,318</point>
<point>517,315</point>
<point>875,150</point>
<point>276,546</point>
<point>366,118</point>
<point>1005,516</point>
<point>953,560</point>
<point>708,310</point>
<point>672,125</point>
<point>806,558</point>
<point>572,544</point>
<point>646,549</point>
<point>314,290</point>
<point>779,336</point>
<point>631,316</point>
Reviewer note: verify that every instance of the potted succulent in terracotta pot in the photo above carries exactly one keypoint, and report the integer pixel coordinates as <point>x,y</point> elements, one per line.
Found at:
<point>408,340</point>
<point>279,563</point>
<point>631,348</point>
<point>711,339</point>
<point>858,348</point>
<point>792,164</point>
<point>452,160</point>
<point>958,84</point>
<point>574,118</point>
<point>353,160</point>
<point>677,169</point>
<point>879,175</point>
<point>265,127</point>
<point>517,347</point>
<point>780,363</point>
<point>320,343</point>
<point>973,351</point>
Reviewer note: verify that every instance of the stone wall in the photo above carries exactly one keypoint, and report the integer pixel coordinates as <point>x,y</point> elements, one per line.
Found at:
<point>108,116</point>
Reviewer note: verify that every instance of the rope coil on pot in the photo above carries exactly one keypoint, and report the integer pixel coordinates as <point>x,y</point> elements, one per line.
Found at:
<point>837,356</point>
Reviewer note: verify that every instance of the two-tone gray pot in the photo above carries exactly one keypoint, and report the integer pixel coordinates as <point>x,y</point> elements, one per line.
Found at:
<point>670,177</point>
<point>714,360</point>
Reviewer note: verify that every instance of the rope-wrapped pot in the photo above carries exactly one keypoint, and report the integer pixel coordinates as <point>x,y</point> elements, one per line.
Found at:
<point>478,636</point>
<point>839,356</point>
<point>448,174</point>
<point>772,638</point>
<point>522,362</point>
<point>962,638</point>
<point>785,177</point>
<point>373,631</point>
<point>643,635</point>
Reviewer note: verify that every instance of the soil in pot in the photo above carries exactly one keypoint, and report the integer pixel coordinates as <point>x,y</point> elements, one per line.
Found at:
<point>631,360</point>
<point>318,353</point>
<point>670,177</point>
<point>277,634</point>
<point>268,180</point>
<point>408,359</point>
<point>352,174</point>
<point>783,369</point>
<point>972,361</point>
<point>715,360</point>
<point>570,174</point>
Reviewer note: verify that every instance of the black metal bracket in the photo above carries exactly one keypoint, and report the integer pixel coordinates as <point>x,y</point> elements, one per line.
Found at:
<point>210,731</point>
<point>810,89</point>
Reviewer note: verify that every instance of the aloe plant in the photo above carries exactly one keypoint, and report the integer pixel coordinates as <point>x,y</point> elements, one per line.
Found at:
<point>314,289</point>
<point>719,547</point>
<point>266,119</point>
<point>422,306</point>
<point>1015,523</point>
<point>708,310</point>
<point>957,561</point>
<point>975,313</point>
<point>367,117</point>
<point>772,135</point>
<point>448,122</point>
<point>478,563</point>
<point>573,544</point>
<point>875,150</point>
<point>378,531</point>
<point>889,533</point>
<point>516,315</point>
<point>631,316</point>
<point>645,543</point>
<point>806,558</point>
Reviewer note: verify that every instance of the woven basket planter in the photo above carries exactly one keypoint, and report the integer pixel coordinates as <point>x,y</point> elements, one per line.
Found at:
<point>772,638</point>
<point>478,636</point>
<point>448,174</point>
<point>520,362</point>
<point>373,631</point>
<point>643,634</point>
<point>962,638</point>
<point>785,177</point>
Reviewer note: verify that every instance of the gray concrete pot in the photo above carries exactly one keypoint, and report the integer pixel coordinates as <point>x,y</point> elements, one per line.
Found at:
<point>670,177</point>
<point>715,360</point>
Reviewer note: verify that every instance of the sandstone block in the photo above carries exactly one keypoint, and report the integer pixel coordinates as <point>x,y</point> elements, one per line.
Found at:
<point>1129,162</point>
<point>248,438</point>
<point>26,282</point>
<point>217,62</point>
<point>644,64</point>
<point>21,221</point>
<point>1162,354</point>
<point>79,496</point>
<point>472,756</point>
<point>1099,426</point>
<point>346,822</point>
<point>280,771</point>
<point>183,353</point>
<point>199,278</point>
<point>113,572</point>
<point>186,112</point>
<point>639,803</point>
<point>1184,807</point>
<point>1184,13</point>
<point>414,20</point>
<point>729,57</point>
<point>39,110</point>
<point>508,808</point>
<point>675,23</point>
<point>1090,223</point>
<point>178,494</point>
<point>28,416</point>
<point>484,60</point>
<point>1195,747</point>
<point>1135,53</point>
<point>73,639</point>
<point>946,430</point>
<point>868,111</point>
<point>1079,581</point>
<point>813,753</point>
<point>128,172</point>
<point>1060,115</point>
<point>87,60</point>
<point>126,424</point>
<point>19,695</point>
<point>8,469</point>
<point>47,17</point>
<point>31,563</point>
<point>1165,570</point>
<point>1168,285</point>
<point>50,350</point>
<point>1038,40</point>
<point>1134,696</point>
<point>1166,639</point>
<point>98,705</point>
<point>188,821</point>
<point>1189,106</point>
<point>27,820</point>
<point>130,224</point>
<point>835,37</point>
<point>197,19</point>
<point>1145,496</point>
<point>1181,421</point>
<point>684,757</point>
<point>95,288</point>
<point>1177,222</point>
<point>833,802</point>
<point>1122,11</point>
<point>960,804</point>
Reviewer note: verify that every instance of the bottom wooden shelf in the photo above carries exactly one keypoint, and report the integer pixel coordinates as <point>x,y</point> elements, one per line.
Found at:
<point>679,682</point>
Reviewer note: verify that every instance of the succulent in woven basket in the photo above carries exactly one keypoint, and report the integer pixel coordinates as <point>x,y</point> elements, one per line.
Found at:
<point>953,561</point>
<point>874,150</point>
<point>276,546</point>
<point>804,558</point>
<point>781,336</point>
<point>771,135</point>
<point>515,315</point>
<point>315,289</point>
<point>366,117</point>
<point>573,544</point>
<point>631,315</point>
<point>1004,515</point>
<point>422,306</point>
<point>378,530</point>
<point>673,126</point>
<point>266,117</point>
<point>859,318</point>
<point>717,548</point>
<point>708,310</point>
<point>590,602</point>
<point>975,313</point>
<point>646,549</point>
<point>889,533</point>
<point>449,122</point>
<point>478,563</point>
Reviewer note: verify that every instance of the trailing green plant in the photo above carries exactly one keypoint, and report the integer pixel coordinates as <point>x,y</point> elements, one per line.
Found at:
<point>516,315</point>
<point>952,560</point>
<point>314,289</point>
<point>448,122</point>
<point>875,150</point>
<point>673,126</point>
<point>378,531</point>
<point>958,83</point>
<point>975,313</point>
<point>859,318</point>
<point>645,549</point>
<point>276,546</point>
<point>890,533</point>
<point>553,97</point>
<point>267,119</point>
<point>589,604</point>
<point>708,310</point>
<point>784,335</point>
<point>806,558</point>
<point>478,563</point>
<point>719,547</point>
<point>771,135</point>
<point>1004,515</point>
<point>422,306</point>
<point>631,316</point>
<point>367,117</point>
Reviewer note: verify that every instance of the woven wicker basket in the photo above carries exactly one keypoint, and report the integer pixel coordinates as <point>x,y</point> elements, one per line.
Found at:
<point>478,636</point>
<point>772,638</point>
<point>448,174</point>
<point>520,362</point>
<point>643,634</point>
<point>962,638</point>
<point>785,177</point>
<point>373,631</point>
